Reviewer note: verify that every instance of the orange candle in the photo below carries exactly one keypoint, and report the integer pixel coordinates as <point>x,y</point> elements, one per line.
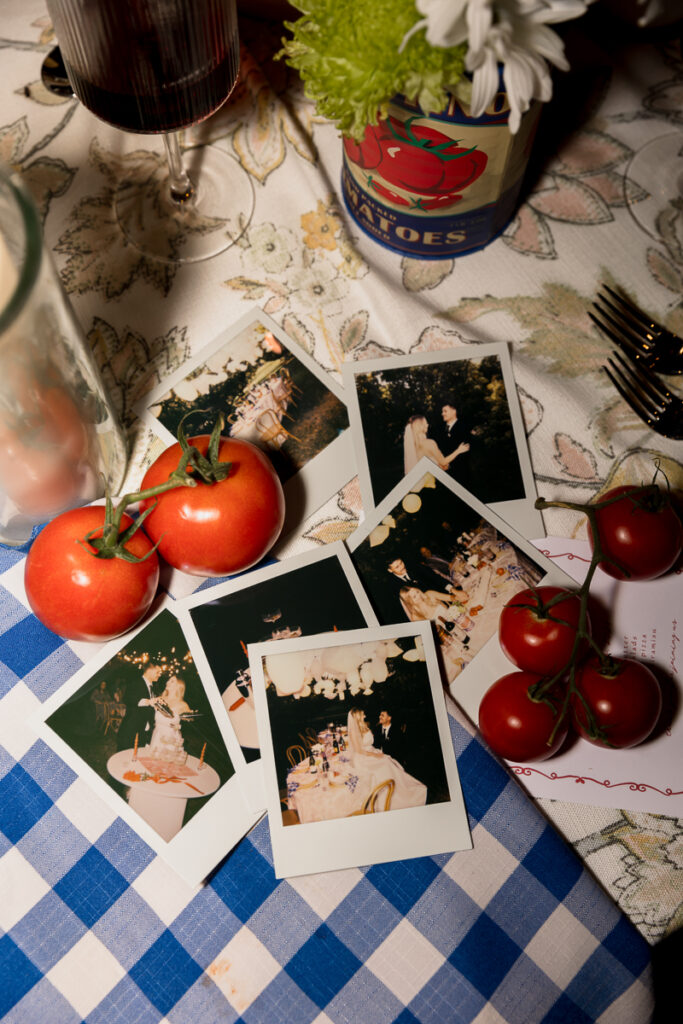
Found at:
<point>201,757</point>
<point>135,747</point>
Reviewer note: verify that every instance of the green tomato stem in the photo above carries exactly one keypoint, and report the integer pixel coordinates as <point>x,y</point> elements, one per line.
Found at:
<point>540,691</point>
<point>207,470</point>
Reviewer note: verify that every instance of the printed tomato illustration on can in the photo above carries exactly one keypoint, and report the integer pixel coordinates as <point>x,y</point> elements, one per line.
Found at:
<point>416,158</point>
<point>437,185</point>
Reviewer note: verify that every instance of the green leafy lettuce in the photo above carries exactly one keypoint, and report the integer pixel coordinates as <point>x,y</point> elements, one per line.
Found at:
<point>347,54</point>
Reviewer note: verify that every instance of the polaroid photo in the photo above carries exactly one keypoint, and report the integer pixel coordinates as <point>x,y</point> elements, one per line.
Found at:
<point>355,793</point>
<point>141,726</point>
<point>306,594</point>
<point>457,407</point>
<point>272,393</point>
<point>431,551</point>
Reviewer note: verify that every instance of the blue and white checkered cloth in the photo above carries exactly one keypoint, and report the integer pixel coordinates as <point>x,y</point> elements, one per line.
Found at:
<point>94,927</point>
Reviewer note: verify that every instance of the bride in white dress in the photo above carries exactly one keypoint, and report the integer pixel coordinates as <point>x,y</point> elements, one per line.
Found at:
<point>167,739</point>
<point>373,767</point>
<point>416,444</point>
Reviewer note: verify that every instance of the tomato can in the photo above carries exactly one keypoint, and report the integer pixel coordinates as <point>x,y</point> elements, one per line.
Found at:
<point>433,186</point>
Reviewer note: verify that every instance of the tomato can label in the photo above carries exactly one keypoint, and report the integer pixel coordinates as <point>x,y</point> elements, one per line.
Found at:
<point>434,186</point>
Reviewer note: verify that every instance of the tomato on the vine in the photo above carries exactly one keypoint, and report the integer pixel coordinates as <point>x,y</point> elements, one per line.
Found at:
<point>539,638</point>
<point>517,727</point>
<point>221,528</point>
<point>640,532</point>
<point>83,597</point>
<point>623,697</point>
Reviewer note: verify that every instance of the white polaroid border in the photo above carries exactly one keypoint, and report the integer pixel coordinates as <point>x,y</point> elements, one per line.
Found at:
<point>520,512</point>
<point>368,838</point>
<point>253,779</point>
<point>214,830</point>
<point>320,478</point>
<point>466,689</point>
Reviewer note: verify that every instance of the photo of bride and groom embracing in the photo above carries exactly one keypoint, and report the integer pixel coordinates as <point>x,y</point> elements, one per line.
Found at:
<point>458,407</point>
<point>449,443</point>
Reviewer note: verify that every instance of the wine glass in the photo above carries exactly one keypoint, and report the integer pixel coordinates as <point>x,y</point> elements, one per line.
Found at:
<point>657,168</point>
<point>155,67</point>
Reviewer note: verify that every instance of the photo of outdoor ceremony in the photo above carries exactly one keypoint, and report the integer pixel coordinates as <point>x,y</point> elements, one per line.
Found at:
<point>454,408</point>
<point>267,392</point>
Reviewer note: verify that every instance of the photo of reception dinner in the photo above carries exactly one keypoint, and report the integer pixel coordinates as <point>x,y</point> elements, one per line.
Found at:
<point>353,730</point>
<point>430,554</point>
<point>358,763</point>
<point>272,603</point>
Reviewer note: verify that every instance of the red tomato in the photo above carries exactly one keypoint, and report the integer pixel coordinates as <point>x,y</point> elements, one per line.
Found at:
<point>537,638</point>
<point>641,532</point>
<point>220,528</point>
<point>624,697</point>
<point>82,597</point>
<point>516,727</point>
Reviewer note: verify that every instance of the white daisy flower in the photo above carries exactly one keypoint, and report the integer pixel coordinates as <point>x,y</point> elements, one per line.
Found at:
<point>513,33</point>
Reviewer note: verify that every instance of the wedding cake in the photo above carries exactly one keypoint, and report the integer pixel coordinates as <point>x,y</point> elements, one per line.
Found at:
<point>166,743</point>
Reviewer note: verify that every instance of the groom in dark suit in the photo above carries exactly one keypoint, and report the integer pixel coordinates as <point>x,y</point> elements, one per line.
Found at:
<point>139,718</point>
<point>388,738</point>
<point>455,437</point>
<point>415,576</point>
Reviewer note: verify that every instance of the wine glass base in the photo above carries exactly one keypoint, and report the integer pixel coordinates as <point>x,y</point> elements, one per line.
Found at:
<point>657,168</point>
<point>204,226</point>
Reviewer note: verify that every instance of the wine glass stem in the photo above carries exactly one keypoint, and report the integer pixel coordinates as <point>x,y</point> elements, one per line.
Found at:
<point>181,188</point>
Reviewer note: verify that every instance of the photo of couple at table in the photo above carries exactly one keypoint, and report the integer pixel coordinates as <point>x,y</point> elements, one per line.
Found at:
<point>358,735</point>
<point>314,592</point>
<point>157,745</point>
<point>459,411</point>
<point>270,392</point>
<point>431,553</point>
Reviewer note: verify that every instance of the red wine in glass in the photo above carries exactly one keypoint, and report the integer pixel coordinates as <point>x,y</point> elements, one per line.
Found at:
<point>157,66</point>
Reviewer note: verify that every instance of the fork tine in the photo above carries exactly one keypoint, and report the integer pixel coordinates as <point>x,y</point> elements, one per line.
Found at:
<point>620,332</point>
<point>637,332</point>
<point>632,385</point>
<point>619,339</point>
<point>629,398</point>
<point>655,382</point>
<point>634,312</point>
<point>645,380</point>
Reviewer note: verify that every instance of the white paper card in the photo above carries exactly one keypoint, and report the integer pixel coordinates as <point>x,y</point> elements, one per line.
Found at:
<point>643,621</point>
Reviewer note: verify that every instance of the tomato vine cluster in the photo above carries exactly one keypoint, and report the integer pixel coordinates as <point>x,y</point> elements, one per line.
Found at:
<point>209,506</point>
<point>564,680</point>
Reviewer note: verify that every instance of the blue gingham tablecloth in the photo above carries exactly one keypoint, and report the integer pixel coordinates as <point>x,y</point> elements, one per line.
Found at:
<point>94,927</point>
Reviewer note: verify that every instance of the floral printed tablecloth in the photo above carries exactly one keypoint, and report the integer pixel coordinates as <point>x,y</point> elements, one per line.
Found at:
<point>342,297</point>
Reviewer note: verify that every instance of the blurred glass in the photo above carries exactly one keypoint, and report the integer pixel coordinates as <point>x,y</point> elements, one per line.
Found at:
<point>60,441</point>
